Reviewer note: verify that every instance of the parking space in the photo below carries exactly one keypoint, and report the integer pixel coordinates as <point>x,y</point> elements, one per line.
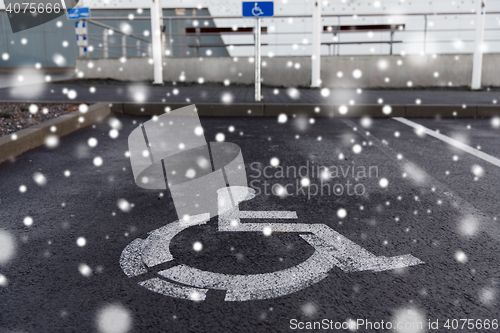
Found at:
<point>379,183</point>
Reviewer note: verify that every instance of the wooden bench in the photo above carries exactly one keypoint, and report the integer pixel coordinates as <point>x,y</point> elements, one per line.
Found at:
<point>219,31</point>
<point>363,28</point>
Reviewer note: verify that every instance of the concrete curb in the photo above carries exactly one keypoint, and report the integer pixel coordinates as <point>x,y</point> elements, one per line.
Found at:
<point>204,109</point>
<point>15,144</point>
<point>312,110</point>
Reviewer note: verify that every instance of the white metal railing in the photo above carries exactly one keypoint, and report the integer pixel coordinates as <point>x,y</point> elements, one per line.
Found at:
<point>320,24</point>
<point>104,45</point>
<point>425,39</point>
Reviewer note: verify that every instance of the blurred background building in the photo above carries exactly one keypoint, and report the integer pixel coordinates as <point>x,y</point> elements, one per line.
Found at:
<point>430,27</point>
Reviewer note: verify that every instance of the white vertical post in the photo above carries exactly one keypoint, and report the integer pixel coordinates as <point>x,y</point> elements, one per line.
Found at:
<point>80,37</point>
<point>156,40</point>
<point>105,52</point>
<point>124,46</point>
<point>170,40</point>
<point>317,29</point>
<point>425,34</point>
<point>477,63</point>
<point>138,46</point>
<point>163,35</point>
<point>163,43</point>
<point>257,59</point>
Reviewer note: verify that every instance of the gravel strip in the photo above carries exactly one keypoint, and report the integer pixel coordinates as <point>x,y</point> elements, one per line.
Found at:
<point>17,116</point>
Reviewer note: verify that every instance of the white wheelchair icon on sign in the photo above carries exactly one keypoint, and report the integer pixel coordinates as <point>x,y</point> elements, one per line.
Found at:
<point>256,11</point>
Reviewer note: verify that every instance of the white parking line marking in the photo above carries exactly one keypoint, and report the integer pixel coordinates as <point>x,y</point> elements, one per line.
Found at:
<point>331,250</point>
<point>174,290</point>
<point>450,141</point>
<point>268,214</point>
<point>156,248</point>
<point>486,225</point>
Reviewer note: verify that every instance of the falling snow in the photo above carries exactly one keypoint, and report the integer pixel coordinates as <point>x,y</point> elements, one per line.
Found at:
<point>305,182</point>
<point>113,133</point>
<point>40,179</point>
<point>343,109</point>
<point>3,281</point>
<point>461,257</point>
<point>309,309</point>
<point>72,94</point>
<point>97,161</point>
<point>124,205</point>
<point>85,270</point>
<point>81,242</point>
<point>468,226</point>
<point>33,108</point>
<point>495,122</point>
<point>51,141</point>
<point>387,109</point>
<point>28,221</point>
<point>383,182</point>
<point>410,316</point>
<point>227,98</point>
<point>197,246</point>
<point>114,318</point>
<point>357,74</point>
<point>282,118</point>
<point>366,122</point>
<point>92,142</point>
<point>220,137</point>
<point>293,93</point>
<point>477,170</point>
<point>83,108</point>
<point>7,246</point>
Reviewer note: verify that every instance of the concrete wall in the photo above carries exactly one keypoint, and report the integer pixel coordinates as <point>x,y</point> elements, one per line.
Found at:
<point>428,70</point>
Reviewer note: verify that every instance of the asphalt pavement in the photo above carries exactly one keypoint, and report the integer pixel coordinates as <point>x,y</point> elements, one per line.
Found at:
<point>419,195</point>
<point>111,91</point>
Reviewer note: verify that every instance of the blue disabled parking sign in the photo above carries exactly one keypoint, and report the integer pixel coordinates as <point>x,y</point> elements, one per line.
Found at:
<point>78,13</point>
<point>258,9</point>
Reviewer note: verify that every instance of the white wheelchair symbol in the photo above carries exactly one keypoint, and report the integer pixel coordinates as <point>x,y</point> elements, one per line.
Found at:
<point>256,11</point>
<point>169,151</point>
<point>186,282</point>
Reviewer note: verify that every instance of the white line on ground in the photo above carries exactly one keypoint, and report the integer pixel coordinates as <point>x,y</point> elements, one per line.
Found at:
<point>450,141</point>
<point>465,208</point>
<point>331,250</point>
<point>268,214</point>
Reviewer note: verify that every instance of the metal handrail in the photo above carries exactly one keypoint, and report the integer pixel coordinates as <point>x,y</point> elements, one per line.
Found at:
<point>282,16</point>
<point>288,44</point>
<point>117,44</point>
<point>329,32</point>
<point>124,47</point>
<point>101,48</point>
<point>105,26</point>
<point>334,31</point>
